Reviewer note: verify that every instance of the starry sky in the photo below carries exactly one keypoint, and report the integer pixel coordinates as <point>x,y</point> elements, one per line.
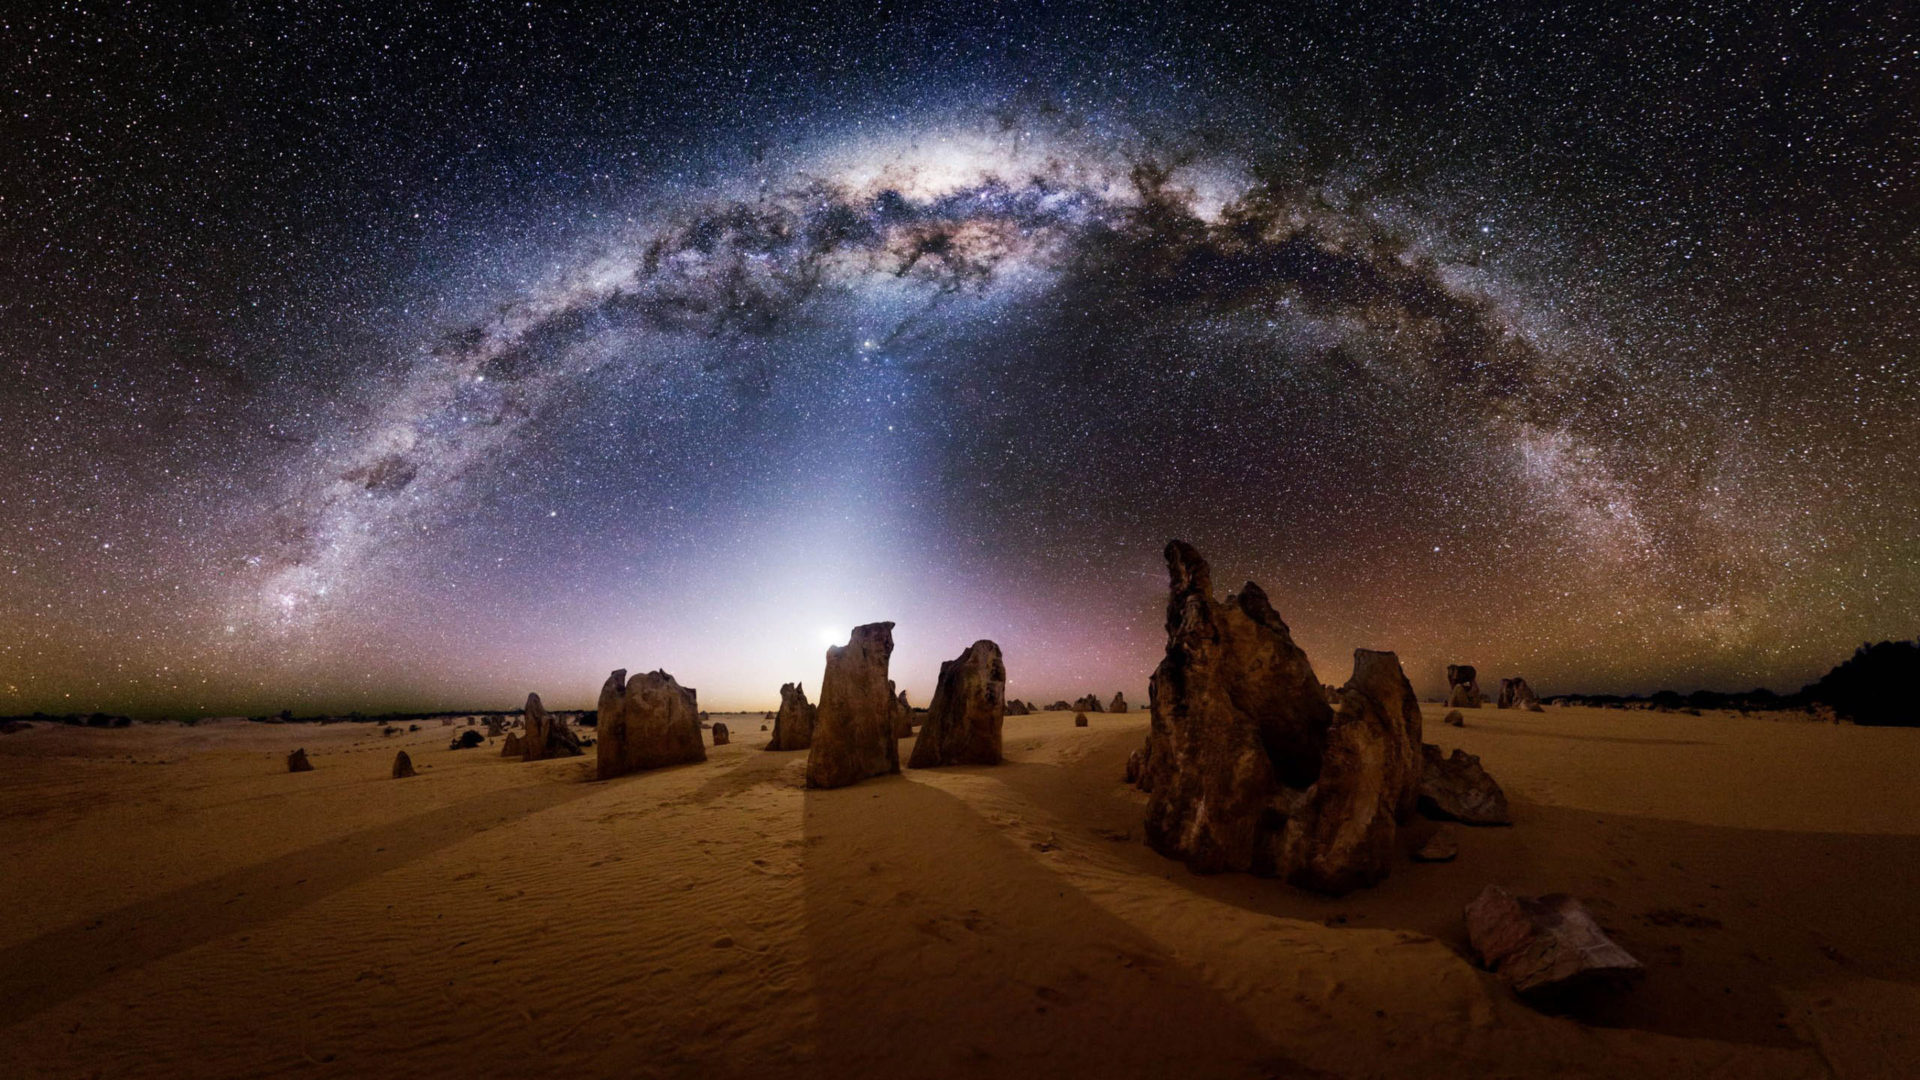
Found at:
<point>355,360</point>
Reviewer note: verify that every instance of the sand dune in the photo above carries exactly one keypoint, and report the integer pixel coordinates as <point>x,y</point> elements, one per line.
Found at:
<point>181,906</point>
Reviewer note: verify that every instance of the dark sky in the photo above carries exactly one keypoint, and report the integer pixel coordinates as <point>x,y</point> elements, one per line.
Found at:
<point>355,360</point>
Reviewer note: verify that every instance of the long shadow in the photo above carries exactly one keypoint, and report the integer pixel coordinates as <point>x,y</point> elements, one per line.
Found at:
<point>939,948</point>
<point>1721,916</point>
<point>55,967</point>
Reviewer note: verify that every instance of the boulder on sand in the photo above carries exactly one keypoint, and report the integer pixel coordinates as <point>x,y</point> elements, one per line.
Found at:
<point>1463,687</point>
<point>719,734</point>
<point>1546,944</point>
<point>1440,847</point>
<point>402,766</point>
<point>968,708</point>
<point>1457,789</point>
<point>1236,716</point>
<point>466,740</point>
<point>547,735</point>
<point>1454,719</point>
<point>1516,694</point>
<point>515,746</point>
<point>646,722</point>
<point>793,725</point>
<point>1119,703</point>
<point>297,761</point>
<point>1079,719</point>
<point>853,727</point>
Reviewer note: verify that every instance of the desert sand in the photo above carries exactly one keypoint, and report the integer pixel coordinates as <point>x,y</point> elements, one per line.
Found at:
<point>180,905</point>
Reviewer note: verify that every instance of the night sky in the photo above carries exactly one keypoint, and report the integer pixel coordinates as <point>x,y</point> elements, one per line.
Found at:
<point>354,361</point>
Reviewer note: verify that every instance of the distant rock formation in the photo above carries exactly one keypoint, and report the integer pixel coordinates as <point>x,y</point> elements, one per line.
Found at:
<point>793,725</point>
<point>1058,706</point>
<point>902,715</point>
<point>1237,715</point>
<point>1463,687</point>
<point>1341,832</point>
<point>515,746</point>
<point>968,708</point>
<point>853,727</point>
<point>1119,703</point>
<point>1516,694</point>
<point>493,727</point>
<point>1090,703</point>
<point>1457,789</point>
<point>719,734</point>
<point>1545,944</point>
<point>1454,719</point>
<point>402,766</point>
<point>547,736</point>
<point>466,740</point>
<point>1016,707</point>
<point>1079,718</point>
<point>297,761</point>
<point>646,722</point>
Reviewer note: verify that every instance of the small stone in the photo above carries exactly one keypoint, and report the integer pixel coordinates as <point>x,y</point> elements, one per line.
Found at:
<point>1440,847</point>
<point>297,762</point>
<point>402,766</point>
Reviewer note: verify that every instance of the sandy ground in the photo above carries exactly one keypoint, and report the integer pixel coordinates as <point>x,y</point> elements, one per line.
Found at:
<point>179,905</point>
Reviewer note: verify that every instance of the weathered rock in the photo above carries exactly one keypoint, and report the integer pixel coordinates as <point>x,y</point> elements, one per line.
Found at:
<point>902,715</point>
<point>1090,703</point>
<point>1119,702</point>
<point>1016,707</point>
<point>402,766</point>
<point>547,735</point>
<point>1546,944</point>
<point>494,730</point>
<point>1136,766</point>
<point>297,761</point>
<point>1341,832</point>
<point>968,708</point>
<point>1454,719</point>
<point>719,734</point>
<point>1236,715</point>
<point>1440,847</point>
<point>793,727</point>
<point>646,722</point>
<point>1463,687</point>
<point>515,746</point>
<point>1079,719</point>
<point>1058,706</point>
<point>1516,694</point>
<point>1457,789</point>
<point>466,740</point>
<point>853,728</point>
<point>703,719</point>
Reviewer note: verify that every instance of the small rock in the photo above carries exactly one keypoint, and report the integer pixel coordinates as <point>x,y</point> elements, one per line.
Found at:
<point>402,766</point>
<point>719,734</point>
<point>297,761</point>
<point>1456,788</point>
<point>1545,944</point>
<point>1440,847</point>
<point>1079,719</point>
<point>1454,719</point>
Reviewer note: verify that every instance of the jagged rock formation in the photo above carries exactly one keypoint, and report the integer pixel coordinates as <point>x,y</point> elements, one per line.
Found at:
<point>1119,703</point>
<point>853,728</point>
<point>547,736</point>
<point>1058,706</point>
<point>402,766</point>
<point>1341,832</point>
<point>968,708</point>
<point>793,726</point>
<point>297,761</point>
<point>1016,707</point>
<point>1545,944</point>
<point>720,734</point>
<point>1090,703</point>
<point>1457,789</point>
<point>645,723</point>
<point>1236,715</point>
<point>515,746</point>
<point>1516,694</point>
<point>1463,687</point>
<point>902,715</point>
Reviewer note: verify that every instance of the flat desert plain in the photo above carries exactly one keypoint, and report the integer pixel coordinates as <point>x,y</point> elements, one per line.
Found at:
<point>180,905</point>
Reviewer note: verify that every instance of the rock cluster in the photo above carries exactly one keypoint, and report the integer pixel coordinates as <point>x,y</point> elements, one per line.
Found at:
<point>645,723</point>
<point>1090,703</point>
<point>547,735</point>
<point>1516,694</point>
<point>297,761</point>
<point>719,734</point>
<point>1059,706</point>
<point>1546,944</point>
<point>1248,768</point>
<point>1016,707</point>
<point>1463,687</point>
<point>402,766</point>
<point>1119,702</point>
<point>968,708</point>
<point>793,725</point>
<point>493,727</point>
<point>853,729</point>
